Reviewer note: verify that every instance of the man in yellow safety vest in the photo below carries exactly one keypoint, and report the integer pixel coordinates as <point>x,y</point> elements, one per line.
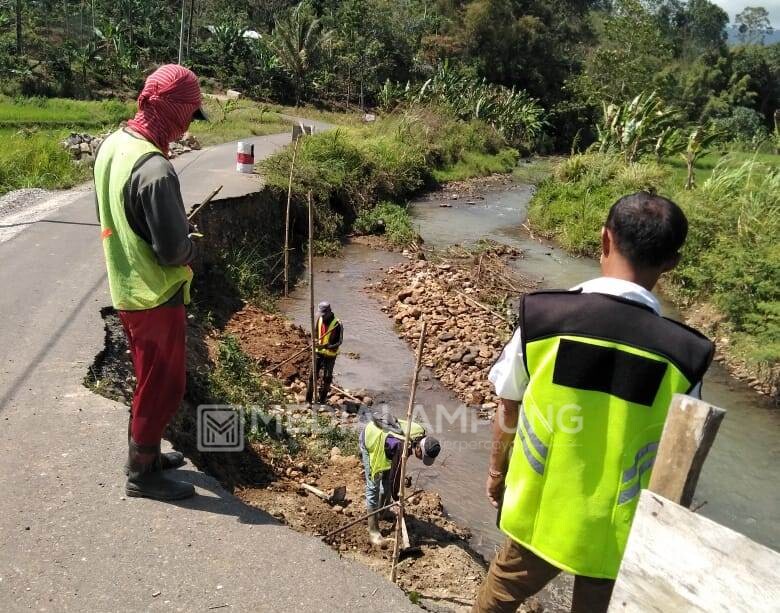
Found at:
<point>595,369</point>
<point>329,338</point>
<point>381,448</point>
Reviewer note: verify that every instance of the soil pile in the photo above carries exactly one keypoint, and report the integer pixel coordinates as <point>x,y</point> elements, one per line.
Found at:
<point>461,298</point>
<point>445,571</point>
<point>283,349</point>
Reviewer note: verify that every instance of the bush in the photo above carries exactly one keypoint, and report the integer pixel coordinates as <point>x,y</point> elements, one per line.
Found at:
<point>37,160</point>
<point>744,126</point>
<point>350,169</point>
<point>389,219</point>
<point>731,257</point>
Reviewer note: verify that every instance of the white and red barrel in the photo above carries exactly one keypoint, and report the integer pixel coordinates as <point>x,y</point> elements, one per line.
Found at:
<point>245,158</point>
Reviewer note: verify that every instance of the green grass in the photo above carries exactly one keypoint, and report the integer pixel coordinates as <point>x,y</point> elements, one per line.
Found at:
<point>37,160</point>
<point>732,256</point>
<point>350,169</point>
<point>244,118</point>
<point>32,128</point>
<point>388,219</point>
<point>477,164</point>
<point>62,113</point>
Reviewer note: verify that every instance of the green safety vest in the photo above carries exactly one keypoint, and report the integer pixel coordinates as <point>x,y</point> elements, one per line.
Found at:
<point>374,439</point>
<point>602,371</point>
<point>135,277</point>
<point>325,337</point>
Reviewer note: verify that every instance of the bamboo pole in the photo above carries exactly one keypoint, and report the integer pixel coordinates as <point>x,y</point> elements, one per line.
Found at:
<point>287,225</point>
<point>405,453</point>
<point>311,302</point>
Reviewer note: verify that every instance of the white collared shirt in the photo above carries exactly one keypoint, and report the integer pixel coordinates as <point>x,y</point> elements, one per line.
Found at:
<point>508,374</point>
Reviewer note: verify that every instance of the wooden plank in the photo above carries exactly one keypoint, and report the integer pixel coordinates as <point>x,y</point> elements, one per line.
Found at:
<point>687,437</point>
<point>677,561</point>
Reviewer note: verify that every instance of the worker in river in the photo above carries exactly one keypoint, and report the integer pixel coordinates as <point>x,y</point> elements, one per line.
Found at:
<point>381,447</point>
<point>330,336</point>
<point>148,245</point>
<point>585,385</point>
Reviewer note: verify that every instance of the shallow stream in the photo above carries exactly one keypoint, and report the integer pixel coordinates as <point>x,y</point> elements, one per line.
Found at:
<point>739,485</point>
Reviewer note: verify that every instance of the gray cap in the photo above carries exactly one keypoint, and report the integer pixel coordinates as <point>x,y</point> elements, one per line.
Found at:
<point>323,307</point>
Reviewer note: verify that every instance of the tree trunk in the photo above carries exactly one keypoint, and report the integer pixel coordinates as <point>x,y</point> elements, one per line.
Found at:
<point>689,181</point>
<point>19,27</point>
<point>189,27</point>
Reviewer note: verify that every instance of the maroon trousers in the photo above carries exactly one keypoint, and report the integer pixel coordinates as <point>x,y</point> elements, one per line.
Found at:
<point>157,339</point>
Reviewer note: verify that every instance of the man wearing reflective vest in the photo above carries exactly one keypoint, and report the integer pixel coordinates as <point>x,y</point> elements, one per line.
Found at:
<point>330,336</point>
<point>595,369</point>
<point>381,447</point>
<point>148,247</point>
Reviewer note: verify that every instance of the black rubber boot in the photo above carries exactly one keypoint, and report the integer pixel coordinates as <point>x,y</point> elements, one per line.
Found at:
<point>168,459</point>
<point>145,478</point>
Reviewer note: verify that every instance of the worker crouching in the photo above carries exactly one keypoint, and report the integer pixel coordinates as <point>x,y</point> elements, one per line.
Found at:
<point>381,448</point>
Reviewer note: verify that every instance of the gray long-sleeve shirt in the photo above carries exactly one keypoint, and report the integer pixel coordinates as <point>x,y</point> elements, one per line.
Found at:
<point>155,211</point>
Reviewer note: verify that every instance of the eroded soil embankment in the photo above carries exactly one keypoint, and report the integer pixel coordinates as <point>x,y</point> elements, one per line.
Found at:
<point>270,472</point>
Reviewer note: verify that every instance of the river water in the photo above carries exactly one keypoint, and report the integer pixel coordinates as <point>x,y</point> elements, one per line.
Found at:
<point>739,485</point>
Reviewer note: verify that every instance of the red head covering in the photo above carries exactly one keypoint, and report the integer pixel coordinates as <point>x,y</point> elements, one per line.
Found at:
<point>166,104</point>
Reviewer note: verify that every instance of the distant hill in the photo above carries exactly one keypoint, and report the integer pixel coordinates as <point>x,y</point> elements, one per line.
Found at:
<point>733,37</point>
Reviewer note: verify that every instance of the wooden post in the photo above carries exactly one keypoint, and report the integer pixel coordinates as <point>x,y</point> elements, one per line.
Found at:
<point>690,429</point>
<point>287,226</point>
<point>407,435</point>
<point>314,334</point>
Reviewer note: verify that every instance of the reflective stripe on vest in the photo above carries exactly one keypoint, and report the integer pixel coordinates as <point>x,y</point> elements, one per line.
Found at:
<point>374,439</point>
<point>585,446</point>
<point>325,337</point>
<point>135,277</point>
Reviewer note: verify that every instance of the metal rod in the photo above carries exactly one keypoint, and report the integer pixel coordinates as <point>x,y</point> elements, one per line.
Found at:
<point>404,454</point>
<point>181,30</point>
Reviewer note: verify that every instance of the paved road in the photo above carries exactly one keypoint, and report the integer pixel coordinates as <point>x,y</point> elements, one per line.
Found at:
<point>69,540</point>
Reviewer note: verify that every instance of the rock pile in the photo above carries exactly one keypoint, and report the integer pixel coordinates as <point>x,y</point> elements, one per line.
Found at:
<point>463,339</point>
<point>83,147</point>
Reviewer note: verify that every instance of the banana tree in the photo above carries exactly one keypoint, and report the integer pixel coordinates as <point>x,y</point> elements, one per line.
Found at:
<point>698,141</point>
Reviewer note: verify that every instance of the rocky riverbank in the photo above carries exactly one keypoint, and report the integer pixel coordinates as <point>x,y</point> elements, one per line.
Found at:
<point>466,298</point>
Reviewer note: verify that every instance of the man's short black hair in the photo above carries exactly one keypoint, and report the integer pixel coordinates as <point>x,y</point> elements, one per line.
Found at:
<point>649,230</point>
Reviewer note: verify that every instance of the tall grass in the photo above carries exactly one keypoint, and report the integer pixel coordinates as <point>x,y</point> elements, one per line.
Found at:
<point>350,169</point>
<point>36,160</point>
<point>732,255</point>
<point>61,112</point>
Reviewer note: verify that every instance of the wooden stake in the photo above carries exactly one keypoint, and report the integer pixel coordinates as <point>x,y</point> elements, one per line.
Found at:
<point>314,335</point>
<point>367,515</point>
<point>404,454</point>
<point>688,434</point>
<point>287,225</point>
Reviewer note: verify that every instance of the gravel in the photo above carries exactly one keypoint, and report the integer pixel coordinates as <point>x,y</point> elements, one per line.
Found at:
<point>22,198</point>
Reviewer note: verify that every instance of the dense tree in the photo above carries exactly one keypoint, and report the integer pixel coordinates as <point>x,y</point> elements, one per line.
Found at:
<point>753,24</point>
<point>298,40</point>
<point>633,50</point>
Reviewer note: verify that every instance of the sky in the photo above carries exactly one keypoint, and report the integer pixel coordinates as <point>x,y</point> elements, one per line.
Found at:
<point>732,7</point>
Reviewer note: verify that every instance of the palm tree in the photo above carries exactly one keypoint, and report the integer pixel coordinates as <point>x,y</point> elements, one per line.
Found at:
<point>297,39</point>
